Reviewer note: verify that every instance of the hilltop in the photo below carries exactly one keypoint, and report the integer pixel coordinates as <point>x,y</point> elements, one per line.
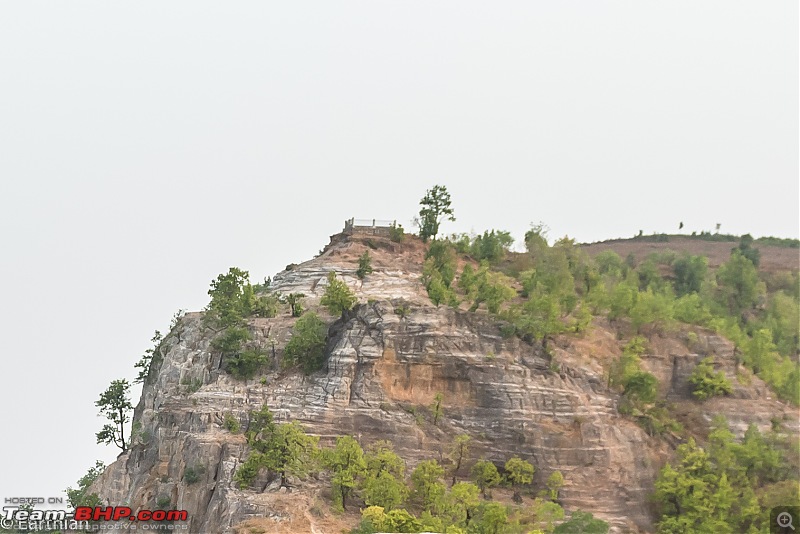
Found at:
<point>774,258</point>
<point>518,355</point>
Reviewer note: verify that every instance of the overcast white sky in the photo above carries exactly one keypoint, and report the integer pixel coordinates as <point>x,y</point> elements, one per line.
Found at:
<point>147,147</point>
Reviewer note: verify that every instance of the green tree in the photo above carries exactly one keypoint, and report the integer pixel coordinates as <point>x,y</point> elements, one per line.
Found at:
<point>621,300</point>
<point>295,301</point>
<point>747,250</point>
<point>783,320</point>
<point>383,480</point>
<point>114,404</point>
<point>460,503</point>
<point>260,421</point>
<point>695,497</point>
<point>240,362</point>
<point>80,496</point>
<point>375,519</point>
<point>609,264</point>
<point>546,514</point>
<point>691,309</point>
<point>385,490</point>
<point>485,475</point>
<point>289,451</point>
<point>651,308</point>
<point>708,383</point>
<point>582,523</point>
<point>265,306</point>
<point>231,298</point>
<point>337,297</point>
<point>491,518</point>
<point>554,484</point>
<point>306,347</point>
<point>690,272</point>
<point>518,473</point>
<point>244,365</point>
<point>229,343</point>
<point>443,259</point>
<point>364,265</point>
<point>459,452</point>
<point>641,387</point>
<point>490,287</point>
<point>380,457</point>
<point>427,487</point>
<point>739,286</point>
<point>347,466</point>
<point>438,291</point>
<point>435,209</point>
<point>492,245</point>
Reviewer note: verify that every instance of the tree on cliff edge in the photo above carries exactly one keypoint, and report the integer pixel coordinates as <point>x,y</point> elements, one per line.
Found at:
<point>115,405</point>
<point>435,209</point>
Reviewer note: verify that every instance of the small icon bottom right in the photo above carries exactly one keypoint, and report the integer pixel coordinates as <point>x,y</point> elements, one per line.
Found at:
<point>783,519</point>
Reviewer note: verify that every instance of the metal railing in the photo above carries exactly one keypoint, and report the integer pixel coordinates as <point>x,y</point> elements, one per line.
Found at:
<point>367,223</point>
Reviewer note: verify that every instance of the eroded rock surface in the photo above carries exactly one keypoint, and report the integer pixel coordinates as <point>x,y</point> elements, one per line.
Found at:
<point>384,367</point>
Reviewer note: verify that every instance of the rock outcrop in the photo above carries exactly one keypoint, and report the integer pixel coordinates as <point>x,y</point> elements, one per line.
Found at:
<point>387,359</point>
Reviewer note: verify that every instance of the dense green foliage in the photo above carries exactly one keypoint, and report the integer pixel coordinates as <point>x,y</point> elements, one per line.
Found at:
<point>233,300</point>
<point>519,473</point>
<point>485,475</point>
<point>709,383</point>
<point>230,295</point>
<point>582,523</point>
<point>238,359</point>
<point>727,487</point>
<point>283,449</point>
<point>548,290</point>
<point>438,273</point>
<point>376,479</point>
<point>338,298</point>
<point>347,465</point>
<point>306,348</point>
<point>492,245</point>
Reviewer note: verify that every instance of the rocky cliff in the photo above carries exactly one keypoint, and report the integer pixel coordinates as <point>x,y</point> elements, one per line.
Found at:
<point>384,366</point>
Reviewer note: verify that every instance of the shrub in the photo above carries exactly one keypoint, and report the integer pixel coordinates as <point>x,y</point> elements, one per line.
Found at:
<point>295,302</point>
<point>337,298</point>
<point>229,343</point>
<point>232,424</point>
<point>707,383</point>
<point>192,475</point>
<point>306,348</point>
<point>641,386</point>
<point>245,364</point>
<point>396,233</point>
<point>249,469</point>
<point>485,475</point>
<point>266,306</point>
<point>582,523</point>
<point>364,265</point>
<point>231,297</point>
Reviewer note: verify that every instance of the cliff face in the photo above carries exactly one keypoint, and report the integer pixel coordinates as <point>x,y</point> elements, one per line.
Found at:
<point>383,368</point>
